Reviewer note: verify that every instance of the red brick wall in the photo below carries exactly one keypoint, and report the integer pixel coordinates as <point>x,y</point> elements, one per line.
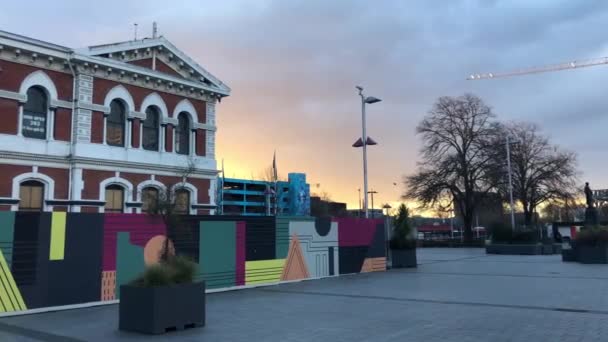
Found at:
<point>103,86</point>
<point>60,208</point>
<point>169,138</point>
<point>202,185</point>
<point>97,128</point>
<point>9,112</point>
<point>160,66</point>
<point>5,207</point>
<point>61,178</point>
<point>63,124</point>
<point>135,133</point>
<point>200,142</point>
<point>9,172</point>
<point>13,75</point>
<point>92,178</point>
<point>89,209</point>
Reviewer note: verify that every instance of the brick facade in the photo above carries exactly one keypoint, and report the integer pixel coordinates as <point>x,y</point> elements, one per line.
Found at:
<point>74,159</point>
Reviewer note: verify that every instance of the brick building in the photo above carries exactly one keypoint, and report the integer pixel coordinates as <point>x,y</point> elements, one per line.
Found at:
<point>103,128</point>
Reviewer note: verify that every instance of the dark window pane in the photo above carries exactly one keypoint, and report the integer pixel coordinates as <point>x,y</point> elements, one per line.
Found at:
<point>31,196</point>
<point>182,201</point>
<point>115,124</point>
<point>182,136</point>
<point>34,114</point>
<point>114,199</point>
<point>149,197</point>
<point>150,133</point>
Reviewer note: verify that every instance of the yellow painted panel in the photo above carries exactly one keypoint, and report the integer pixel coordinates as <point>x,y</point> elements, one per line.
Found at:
<point>8,282</point>
<point>263,271</point>
<point>57,236</point>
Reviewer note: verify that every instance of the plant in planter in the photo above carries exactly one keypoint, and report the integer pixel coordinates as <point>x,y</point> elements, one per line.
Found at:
<point>403,246</point>
<point>591,245</point>
<point>165,296</point>
<point>521,241</point>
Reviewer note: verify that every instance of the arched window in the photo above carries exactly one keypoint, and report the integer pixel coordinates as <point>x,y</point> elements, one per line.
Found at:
<point>114,199</point>
<point>35,113</point>
<point>182,201</point>
<point>149,198</point>
<point>115,124</point>
<point>31,196</point>
<point>150,134</point>
<point>182,136</point>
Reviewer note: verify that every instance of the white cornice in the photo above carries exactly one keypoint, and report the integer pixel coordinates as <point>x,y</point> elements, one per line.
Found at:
<point>148,72</point>
<point>11,95</point>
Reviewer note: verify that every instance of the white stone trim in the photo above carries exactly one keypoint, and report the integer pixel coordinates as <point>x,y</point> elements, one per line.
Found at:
<point>60,104</point>
<point>154,99</point>
<point>94,107</point>
<point>120,92</point>
<point>11,95</point>
<point>150,183</point>
<point>41,79</point>
<point>49,188</point>
<point>128,187</point>
<point>186,106</point>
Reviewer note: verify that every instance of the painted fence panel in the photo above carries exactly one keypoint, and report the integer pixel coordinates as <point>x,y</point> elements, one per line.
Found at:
<point>54,259</point>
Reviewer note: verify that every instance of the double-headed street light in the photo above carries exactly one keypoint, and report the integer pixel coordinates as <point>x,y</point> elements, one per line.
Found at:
<point>364,141</point>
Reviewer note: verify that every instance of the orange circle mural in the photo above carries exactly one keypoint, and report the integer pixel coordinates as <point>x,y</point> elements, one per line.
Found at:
<point>154,247</point>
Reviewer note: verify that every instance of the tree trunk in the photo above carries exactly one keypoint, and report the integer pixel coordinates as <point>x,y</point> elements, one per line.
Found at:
<point>468,228</point>
<point>527,216</point>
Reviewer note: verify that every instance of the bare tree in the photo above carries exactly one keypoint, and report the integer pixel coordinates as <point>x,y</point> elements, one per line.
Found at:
<point>541,172</point>
<point>267,175</point>
<point>169,206</point>
<point>455,156</point>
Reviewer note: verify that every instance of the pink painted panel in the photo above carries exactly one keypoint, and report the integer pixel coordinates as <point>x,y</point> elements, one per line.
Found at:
<point>142,227</point>
<point>354,231</point>
<point>240,253</point>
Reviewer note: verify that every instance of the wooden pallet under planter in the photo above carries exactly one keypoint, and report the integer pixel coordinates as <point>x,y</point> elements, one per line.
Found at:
<point>156,310</point>
<point>403,258</point>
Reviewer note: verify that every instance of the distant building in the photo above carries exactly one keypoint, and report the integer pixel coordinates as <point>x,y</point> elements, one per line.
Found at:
<point>373,213</point>
<point>320,208</point>
<point>257,198</point>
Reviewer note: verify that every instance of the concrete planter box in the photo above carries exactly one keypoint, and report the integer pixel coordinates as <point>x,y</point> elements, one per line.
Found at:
<point>592,255</point>
<point>508,249</point>
<point>547,249</point>
<point>569,255</point>
<point>557,248</point>
<point>156,310</point>
<point>402,258</point>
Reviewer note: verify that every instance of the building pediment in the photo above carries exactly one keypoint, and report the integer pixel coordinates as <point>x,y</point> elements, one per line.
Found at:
<point>157,55</point>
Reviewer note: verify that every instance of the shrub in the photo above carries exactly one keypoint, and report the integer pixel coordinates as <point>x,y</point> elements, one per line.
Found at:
<point>183,269</point>
<point>176,270</point>
<point>592,236</point>
<point>502,233</point>
<point>401,238</point>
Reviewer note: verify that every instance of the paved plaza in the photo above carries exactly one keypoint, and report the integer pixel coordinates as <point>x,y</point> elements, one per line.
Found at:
<point>454,295</point>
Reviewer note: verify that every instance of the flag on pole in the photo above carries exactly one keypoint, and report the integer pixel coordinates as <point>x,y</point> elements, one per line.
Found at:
<point>274,166</point>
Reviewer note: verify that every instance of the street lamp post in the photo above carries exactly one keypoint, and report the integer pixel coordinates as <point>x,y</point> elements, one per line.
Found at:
<point>372,193</point>
<point>364,142</point>
<point>508,143</point>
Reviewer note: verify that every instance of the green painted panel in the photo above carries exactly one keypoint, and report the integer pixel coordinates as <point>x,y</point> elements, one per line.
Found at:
<point>217,253</point>
<point>7,231</point>
<point>282,238</point>
<point>129,261</point>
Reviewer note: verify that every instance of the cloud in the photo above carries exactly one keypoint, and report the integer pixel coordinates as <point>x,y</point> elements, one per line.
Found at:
<point>293,66</point>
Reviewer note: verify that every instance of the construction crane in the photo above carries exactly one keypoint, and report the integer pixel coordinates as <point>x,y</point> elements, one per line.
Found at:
<point>538,70</point>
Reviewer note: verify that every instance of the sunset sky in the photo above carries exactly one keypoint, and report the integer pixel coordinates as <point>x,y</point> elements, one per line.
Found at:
<point>293,67</point>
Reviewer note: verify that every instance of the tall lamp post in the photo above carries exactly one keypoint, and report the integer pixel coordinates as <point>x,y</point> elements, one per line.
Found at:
<point>508,144</point>
<point>364,141</point>
<point>373,192</point>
